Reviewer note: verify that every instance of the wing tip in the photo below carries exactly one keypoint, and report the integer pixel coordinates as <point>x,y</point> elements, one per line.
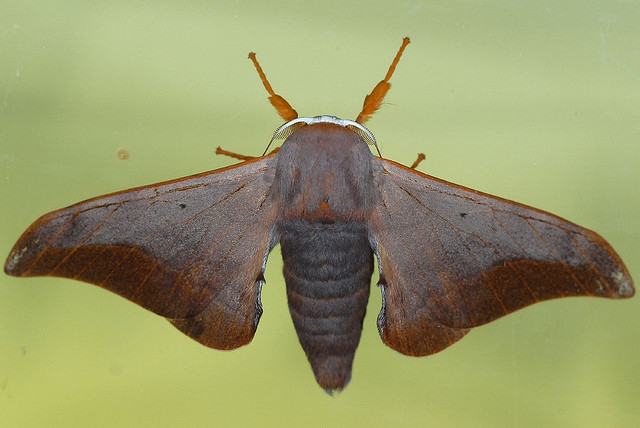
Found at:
<point>623,284</point>
<point>12,265</point>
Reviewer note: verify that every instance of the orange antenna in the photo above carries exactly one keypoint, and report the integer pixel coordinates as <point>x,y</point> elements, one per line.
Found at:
<point>281,105</point>
<point>373,101</point>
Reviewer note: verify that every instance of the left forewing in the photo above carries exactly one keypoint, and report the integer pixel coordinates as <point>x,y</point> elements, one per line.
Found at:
<point>452,258</point>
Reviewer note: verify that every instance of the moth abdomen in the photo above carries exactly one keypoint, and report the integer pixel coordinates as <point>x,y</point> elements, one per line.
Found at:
<point>327,268</point>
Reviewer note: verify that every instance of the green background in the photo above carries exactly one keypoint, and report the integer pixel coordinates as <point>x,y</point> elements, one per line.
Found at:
<point>537,102</point>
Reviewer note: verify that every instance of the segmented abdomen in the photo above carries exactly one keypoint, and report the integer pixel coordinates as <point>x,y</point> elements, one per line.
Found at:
<point>327,268</point>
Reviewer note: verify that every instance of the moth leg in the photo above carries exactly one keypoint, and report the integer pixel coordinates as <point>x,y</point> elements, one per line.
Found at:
<point>421,157</point>
<point>221,151</point>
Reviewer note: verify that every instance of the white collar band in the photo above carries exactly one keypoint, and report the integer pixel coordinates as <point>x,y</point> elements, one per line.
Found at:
<point>293,125</point>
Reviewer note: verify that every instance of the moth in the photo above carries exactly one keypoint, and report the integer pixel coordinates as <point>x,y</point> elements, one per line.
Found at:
<point>450,258</point>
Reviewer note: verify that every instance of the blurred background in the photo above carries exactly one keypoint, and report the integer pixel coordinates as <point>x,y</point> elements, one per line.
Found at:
<point>537,102</point>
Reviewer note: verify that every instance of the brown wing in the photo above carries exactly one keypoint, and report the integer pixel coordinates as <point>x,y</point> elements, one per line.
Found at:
<point>452,258</point>
<point>192,250</point>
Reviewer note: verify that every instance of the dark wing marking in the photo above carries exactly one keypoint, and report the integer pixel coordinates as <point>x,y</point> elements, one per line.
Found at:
<point>452,258</point>
<point>192,250</point>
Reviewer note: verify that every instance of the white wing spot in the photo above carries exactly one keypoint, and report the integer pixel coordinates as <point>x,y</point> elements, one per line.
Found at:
<point>621,282</point>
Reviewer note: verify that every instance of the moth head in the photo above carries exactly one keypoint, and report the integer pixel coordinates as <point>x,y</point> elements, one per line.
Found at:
<point>293,125</point>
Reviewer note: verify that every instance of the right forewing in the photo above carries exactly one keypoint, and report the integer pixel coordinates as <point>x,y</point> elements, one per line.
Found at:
<point>191,250</point>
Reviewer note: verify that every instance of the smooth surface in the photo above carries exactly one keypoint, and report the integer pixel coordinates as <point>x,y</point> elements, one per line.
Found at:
<point>534,103</point>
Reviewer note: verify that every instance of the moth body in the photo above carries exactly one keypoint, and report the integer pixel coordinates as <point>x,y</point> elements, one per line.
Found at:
<point>324,182</point>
